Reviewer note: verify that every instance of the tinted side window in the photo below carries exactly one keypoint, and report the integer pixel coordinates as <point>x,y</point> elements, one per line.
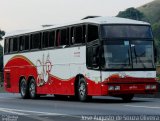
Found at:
<point>72,35</point>
<point>21,43</point>
<point>35,41</point>
<point>92,32</point>
<point>26,42</point>
<point>77,34</point>
<point>13,44</point>
<point>64,37</point>
<point>51,38</point>
<point>9,45</point>
<point>6,46</point>
<point>58,38</point>
<point>45,39</point>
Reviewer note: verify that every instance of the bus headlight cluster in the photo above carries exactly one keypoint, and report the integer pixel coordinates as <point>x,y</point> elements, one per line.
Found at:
<point>114,88</point>
<point>151,87</point>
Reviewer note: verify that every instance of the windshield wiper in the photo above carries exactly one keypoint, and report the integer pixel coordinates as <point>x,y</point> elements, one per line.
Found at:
<point>138,57</point>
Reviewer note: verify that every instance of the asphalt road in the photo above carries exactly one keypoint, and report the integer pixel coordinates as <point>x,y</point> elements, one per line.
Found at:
<point>13,108</point>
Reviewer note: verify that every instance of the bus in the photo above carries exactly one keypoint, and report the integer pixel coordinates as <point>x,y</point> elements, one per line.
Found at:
<point>95,56</point>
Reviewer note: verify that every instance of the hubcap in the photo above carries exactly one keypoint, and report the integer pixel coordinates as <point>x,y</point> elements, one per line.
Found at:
<point>23,88</point>
<point>32,89</point>
<point>82,89</point>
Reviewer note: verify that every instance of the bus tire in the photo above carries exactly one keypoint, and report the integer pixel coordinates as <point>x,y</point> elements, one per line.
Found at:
<point>127,98</point>
<point>24,88</point>
<point>32,89</point>
<point>82,90</point>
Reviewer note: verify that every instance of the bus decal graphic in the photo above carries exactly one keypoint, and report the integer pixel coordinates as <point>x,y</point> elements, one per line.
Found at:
<point>44,67</point>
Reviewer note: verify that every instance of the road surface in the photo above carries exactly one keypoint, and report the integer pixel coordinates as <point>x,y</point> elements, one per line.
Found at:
<point>13,108</point>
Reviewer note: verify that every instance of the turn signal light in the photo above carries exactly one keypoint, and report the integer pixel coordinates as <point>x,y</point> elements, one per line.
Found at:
<point>151,87</point>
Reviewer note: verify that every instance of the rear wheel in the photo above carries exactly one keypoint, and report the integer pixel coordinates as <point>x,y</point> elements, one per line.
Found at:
<point>82,90</point>
<point>32,89</point>
<point>24,89</point>
<point>127,98</point>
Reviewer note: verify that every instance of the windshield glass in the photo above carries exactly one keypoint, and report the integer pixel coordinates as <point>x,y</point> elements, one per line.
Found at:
<point>116,54</point>
<point>127,54</point>
<point>126,31</point>
<point>142,54</point>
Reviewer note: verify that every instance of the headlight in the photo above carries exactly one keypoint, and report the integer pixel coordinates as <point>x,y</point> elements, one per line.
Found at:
<point>148,86</point>
<point>114,88</point>
<point>111,88</point>
<point>153,86</point>
<point>117,88</point>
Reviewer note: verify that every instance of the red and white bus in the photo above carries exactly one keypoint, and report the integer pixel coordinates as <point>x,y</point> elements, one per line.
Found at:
<point>92,57</point>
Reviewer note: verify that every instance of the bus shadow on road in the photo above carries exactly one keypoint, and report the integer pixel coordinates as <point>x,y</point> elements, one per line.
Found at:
<point>107,99</point>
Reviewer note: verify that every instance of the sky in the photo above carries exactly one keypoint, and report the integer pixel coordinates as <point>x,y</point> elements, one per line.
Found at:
<point>28,14</point>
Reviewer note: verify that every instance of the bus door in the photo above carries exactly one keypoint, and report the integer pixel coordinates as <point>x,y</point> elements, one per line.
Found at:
<point>93,72</point>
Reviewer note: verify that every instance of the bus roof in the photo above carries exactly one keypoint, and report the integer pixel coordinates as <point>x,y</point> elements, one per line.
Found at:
<point>94,20</point>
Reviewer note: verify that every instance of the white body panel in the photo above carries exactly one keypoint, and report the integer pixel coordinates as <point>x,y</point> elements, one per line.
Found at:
<point>69,62</point>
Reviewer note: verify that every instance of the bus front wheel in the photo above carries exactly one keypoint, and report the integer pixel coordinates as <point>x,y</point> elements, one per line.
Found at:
<point>24,89</point>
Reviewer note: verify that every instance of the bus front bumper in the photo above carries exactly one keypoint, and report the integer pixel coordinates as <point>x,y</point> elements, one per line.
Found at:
<point>118,89</point>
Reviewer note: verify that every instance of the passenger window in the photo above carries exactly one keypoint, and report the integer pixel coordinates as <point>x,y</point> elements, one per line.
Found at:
<point>45,43</point>
<point>6,46</point>
<point>26,42</point>
<point>92,33</point>
<point>36,41</point>
<point>58,38</point>
<point>78,34</point>
<point>51,39</point>
<point>13,44</point>
<point>64,37</point>
<point>21,43</point>
<point>72,34</point>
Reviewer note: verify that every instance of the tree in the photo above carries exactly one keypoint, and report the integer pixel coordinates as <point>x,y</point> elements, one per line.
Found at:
<point>132,13</point>
<point>156,33</point>
<point>2,33</point>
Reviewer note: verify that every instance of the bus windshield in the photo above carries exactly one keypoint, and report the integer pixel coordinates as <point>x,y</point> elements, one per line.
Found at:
<point>125,54</point>
<point>126,31</point>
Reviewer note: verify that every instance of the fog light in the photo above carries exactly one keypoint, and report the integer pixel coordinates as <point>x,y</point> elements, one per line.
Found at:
<point>148,86</point>
<point>153,86</point>
<point>111,88</point>
<point>117,88</point>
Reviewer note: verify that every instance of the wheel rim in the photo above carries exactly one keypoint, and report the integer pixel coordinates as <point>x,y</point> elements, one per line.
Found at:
<point>23,88</point>
<point>82,90</point>
<point>32,89</point>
